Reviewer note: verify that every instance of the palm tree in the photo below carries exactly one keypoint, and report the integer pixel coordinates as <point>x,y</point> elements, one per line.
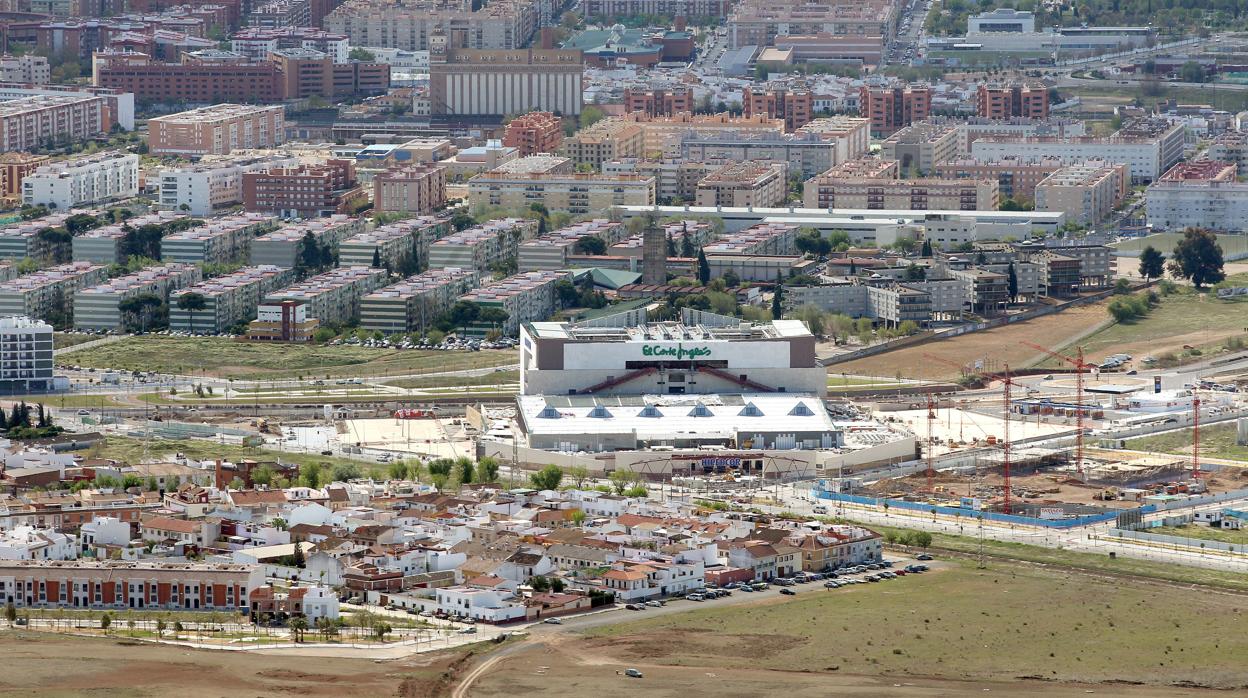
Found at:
<point>192,302</point>
<point>297,626</point>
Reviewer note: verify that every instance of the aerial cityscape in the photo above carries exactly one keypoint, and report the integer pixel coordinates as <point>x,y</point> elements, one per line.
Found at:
<point>433,348</point>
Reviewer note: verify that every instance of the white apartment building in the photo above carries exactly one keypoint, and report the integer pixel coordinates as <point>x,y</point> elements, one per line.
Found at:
<point>29,68</point>
<point>1086,193</point>
<point>99,307</point>
<point>1203,194</point>
<point>228,299</point>
<point>83,181</point>
<point>219,241</point>
<point>203,188</point>
<point>30,543</point>
<point>1148,148</point>
<point>415,302</point>
<point>524,297</point>
<point>482,246</point>
<point>25,355</point>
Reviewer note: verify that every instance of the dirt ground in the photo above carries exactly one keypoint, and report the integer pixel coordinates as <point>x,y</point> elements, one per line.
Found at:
<point>1000,345</point>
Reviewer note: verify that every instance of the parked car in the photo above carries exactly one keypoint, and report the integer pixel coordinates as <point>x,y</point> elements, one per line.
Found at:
<point>633,673</point>
<point>553,621</point>
<point>634,607</point>
<point>654,604</point>
<point>788,592</point>
<point>923,556</point>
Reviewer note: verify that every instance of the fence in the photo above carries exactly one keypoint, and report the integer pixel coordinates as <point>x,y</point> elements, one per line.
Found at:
<point>1080,520</point>
<point>1158,538</point>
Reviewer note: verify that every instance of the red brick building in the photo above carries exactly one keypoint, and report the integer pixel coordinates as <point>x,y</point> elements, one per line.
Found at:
<point>533,133</point>
<point>415,188</point>
<point>659,102</point>
<point>797,108</point>
<point>143,584</point>
<point>196,83</point>
<point>893,108</point>
<point>1008,101</point>
<point>306,73</point>
<point>308,191</point>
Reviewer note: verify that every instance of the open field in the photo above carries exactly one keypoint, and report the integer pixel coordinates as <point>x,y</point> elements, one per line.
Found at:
<point>1232,245</point>
<point>1010,629</point>
<point>225,358</point>
<point>68,400</point>
<point>56,666</point>
<point>998,345</point>
<point>1222,535</point>
<point>131,451</point>
<point>60,340</point>
<point>1216,441</point>
<point>1190,318</point>
<point>1095,96</point>
<point>488,379</point>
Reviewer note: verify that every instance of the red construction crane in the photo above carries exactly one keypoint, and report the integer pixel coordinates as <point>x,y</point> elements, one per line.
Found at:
<point>1080,366</point>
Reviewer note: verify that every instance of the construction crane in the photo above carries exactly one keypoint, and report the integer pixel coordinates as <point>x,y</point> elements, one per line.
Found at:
<point>1080,366</point>
<point>1195,437</point>
<point>931,441</point>
<point>1006,384</point>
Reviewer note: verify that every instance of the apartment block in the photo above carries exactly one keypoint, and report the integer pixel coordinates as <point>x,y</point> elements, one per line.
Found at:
<point>526,297</point>
<point>744,184</point>
<point>228,299</point>
<point>281,247</point>
<point>108,584</point>
<point>307,73</point>
<point>30,123</point>
<point>886,301</point>
<point>804,152</point>
<point>200,82</point>
<point>282,321</point>
<point>795,107</point>
<point>258,42</point>
<point>763,22</point>
<point>534,132</point>
<point>893,108</point>
<point>1202,193</point>
<point>972,128</point>
<point>418,25</point>
<point>1016,177</point>
<point>763,238</point>
<point>605,11</point>
<point>686,238</point>
<point>551,251</point>
<point>13,169</point>
<point>851,134</point>
<point>659,102</point>
<point>676,180</point>
<point>25,356</point>
<point>21,239</point>
<point>99,307</point>
<point>28,68</point>
<point>208,186</point>
<point>105,244</point>
<point>760,267</point>
<point>393,245</point>
<point>307,191</point>
<point>996,101</point>
<point>415,302</point>
<point>1087,194</point>
<point>1231,146</point>
<point>902,194</point>
<point>217,130</point>
<point>415,188</point>
<point>48,294</point>
<point>920,148</point>
<point>609,139</point>
<point>333,298</point>
<point>219,241</point>
<point>577,193</point>
<point>82,181</point>
<point>481,247</point>
<point>662,135</point>
<point>1149,147</point>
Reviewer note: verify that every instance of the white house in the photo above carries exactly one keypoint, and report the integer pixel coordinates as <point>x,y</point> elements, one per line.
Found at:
<point>319,602</point>
<point>103,530</point>
<point>30,543</point>
<point>524,564</point>
<point>489,605</point>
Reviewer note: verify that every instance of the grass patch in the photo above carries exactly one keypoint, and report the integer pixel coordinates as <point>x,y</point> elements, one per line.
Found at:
<point>490,379</point>
<point>1216,441</point>
<point>60,340</point>
<point>226,358</point>
<point>1222,535</point>
<point>1002,622</point>
<point>63,401</point>
<point>130,450</point>
<point>1231,245</point>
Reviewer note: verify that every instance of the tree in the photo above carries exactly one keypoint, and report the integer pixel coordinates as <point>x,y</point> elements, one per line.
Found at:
<point>161,626</point>
<point>1192,72</point>
<point>361,54</point>
<point>557,585</point>
<point>923,539</point>
<point>926,251</point>
<point>539,584</point>
<point>298,626</point>
<point>10,612</point>
<point>1198,258</point>
<point>704,269</point>
<point>106,621</point>
<point>192,302</point>
<point>487,469</point>
<point>262,475</point>
<point>621,480</point>
<point>547,478</point>
<point>1152,263</point>
<point>1012,282</point>
<point>346,471</point>
<point>377,258</point>
<point>298,558</point>
<point>591,245</point>
<point>591,115</point>
<point>381,630</point>
<point>579,475</point>
<point>465,470</point>
<point>139,313</point>
<point>777,298</point>
<point>310,475</point>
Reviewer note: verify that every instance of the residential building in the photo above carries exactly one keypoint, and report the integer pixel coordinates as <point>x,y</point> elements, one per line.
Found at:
<point>851,134</point>
<point>396,245</point>
<point>204,188</point>
<point>511,81</point>
<point>118,108</point>
<point>27,68</point>
<point>193,534</point>
<point>30,543</point>
<point>606,11</point>
<point>418,25</point>
<point>577,193</point>
<point>13,169</point>
<point>997,101</point>
<point>1087,193</point>
<point>414,303</point>
<point>609,139</point>
<point>333,298</point>
<point>1231,146</point>
<point>551,251</point>
<point>106,244</point>
<point>687,236</point>
<point>99,307</point>
<point>412,189</point>
<point>223,240</point>
<point>482,247</point>
<point>525,297</point>
<point>306,191</point>
<point>922,147</point>
<point>837,546</point>
<point>309,73</point>
<point>894,108</point>
<point>258,42</point>
<point>760,239</point>
<point>190,82</point>
<point>48,294</point>
<point>661,135</point>
<point>767,560</point>
<point>30,123</point>
<point>282,321</point>
<point>217,130</point>
<point>763,22</point>
<point>534,132</point>
<point>82,181</point>
<point>760,267</point>
<point>888,301</point>
<point>281,247</point>
<point>1201,194</point>
<point>1016,177</point>
<point>676,180</point>
<point>972,128</point>
<point>98,584</point>
<point>744,184</point>
<point>987,292</point>
<point>804,152</point>
<point>21,239</point>
<point>921,194</point>
<point>228,299</point>
<point>668,101</point>
<point>1149,147</point>
<point>25,356</point>
<point>776,101</point>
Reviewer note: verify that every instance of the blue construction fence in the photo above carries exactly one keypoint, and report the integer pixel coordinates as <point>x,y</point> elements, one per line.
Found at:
<point>1077,520</point>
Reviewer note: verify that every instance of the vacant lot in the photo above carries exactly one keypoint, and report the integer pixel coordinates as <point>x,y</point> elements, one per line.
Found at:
<point>130,450</point>
<point>1232,246</point>
<point>60,340</point>
<point>1222,535</point>
<point>226,358</point>
<point>1216,441</point>
<point>488,379</point>
<point>996,346</point>
<point>1005,622</point>
<point>1185,318</point>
